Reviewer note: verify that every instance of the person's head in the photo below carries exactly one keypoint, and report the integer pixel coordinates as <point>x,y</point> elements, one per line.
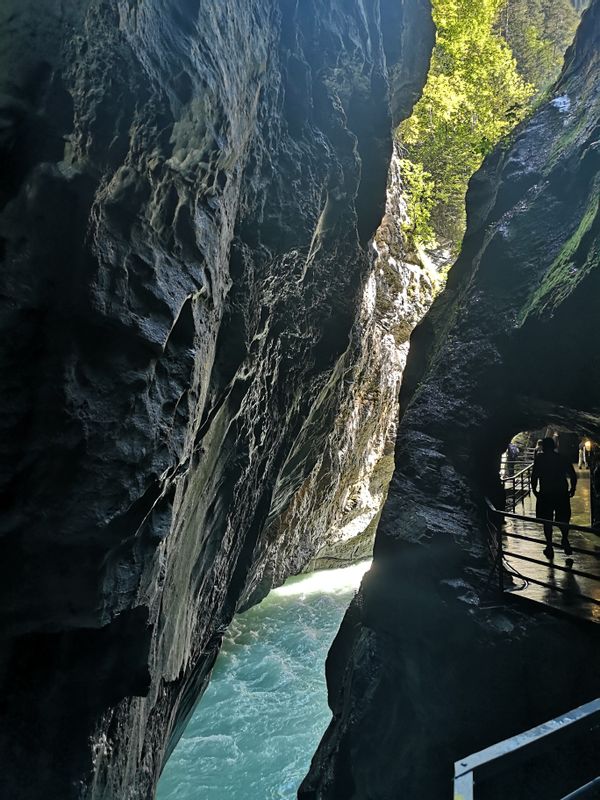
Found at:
<point>548,444</point>
<point>539,443</point>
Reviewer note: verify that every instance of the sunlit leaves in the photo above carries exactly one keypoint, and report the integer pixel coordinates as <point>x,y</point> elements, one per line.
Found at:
<point>538,33</point>
<point>474,95</point>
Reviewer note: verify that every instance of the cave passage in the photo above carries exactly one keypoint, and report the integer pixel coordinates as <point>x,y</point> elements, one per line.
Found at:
<point>568,579</point>
<point>261,718</point>
<point>578,448</point>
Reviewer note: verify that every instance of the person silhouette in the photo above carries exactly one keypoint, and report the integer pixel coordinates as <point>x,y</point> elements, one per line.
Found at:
<point>553,472</point>
<point>582,463</point>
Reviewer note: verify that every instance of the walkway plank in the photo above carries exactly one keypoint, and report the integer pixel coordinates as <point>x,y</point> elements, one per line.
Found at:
<point>525,587</point>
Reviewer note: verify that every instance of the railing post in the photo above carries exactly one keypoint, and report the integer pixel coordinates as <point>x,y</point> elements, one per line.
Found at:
<point>500,558</point>
<point>522,488</point>
<point>514,493</point>
<point>544,739</point>
<point>593,500</point>
<point>463,787</point>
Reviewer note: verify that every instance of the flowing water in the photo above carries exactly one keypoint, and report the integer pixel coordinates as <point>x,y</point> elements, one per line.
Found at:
<point>265,710</point>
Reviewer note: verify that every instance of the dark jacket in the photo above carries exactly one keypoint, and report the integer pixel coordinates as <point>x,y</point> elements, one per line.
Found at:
<point>553,471</point>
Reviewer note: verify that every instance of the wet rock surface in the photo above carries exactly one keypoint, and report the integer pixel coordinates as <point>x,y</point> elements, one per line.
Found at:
<point>339,503</point>
<point>188,190</point>
<point>423,671</point>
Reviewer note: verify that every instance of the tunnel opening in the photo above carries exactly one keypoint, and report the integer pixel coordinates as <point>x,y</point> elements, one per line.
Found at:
<point>516,463</point>
<point>543,519</point>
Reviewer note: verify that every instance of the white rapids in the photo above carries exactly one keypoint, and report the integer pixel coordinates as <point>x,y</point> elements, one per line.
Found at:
<point>265,710</point>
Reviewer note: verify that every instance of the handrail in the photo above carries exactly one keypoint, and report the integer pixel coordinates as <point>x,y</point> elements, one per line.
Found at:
<point>518,474</point>
<point>521,483</point>
<point>502,552</point>
<point>572,526</point>
<point>556,588</point>
<point>487,762</point>
<point>582,550</point>
<point>583,791</point>
<point>570,570</point>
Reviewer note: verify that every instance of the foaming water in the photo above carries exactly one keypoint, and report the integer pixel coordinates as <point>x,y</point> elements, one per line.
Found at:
<point>265,710</point>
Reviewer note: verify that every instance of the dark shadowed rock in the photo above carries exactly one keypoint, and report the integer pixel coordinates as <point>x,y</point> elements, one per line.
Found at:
<point>422,673</point>
<point>337,506</point>
<point>188,189</point>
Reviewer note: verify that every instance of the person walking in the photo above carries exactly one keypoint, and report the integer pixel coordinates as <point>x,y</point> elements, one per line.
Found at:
<point>512,454</point>
<point>553,472</point>
<point>582,455</point>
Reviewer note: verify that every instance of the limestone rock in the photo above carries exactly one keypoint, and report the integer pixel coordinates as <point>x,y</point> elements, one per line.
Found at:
<point>423,672</point>
<point>188,191</point>
<point>345,492</point>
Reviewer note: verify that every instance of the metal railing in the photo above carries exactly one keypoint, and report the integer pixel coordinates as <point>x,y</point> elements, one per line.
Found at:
<point>502,552</point>
<point>518,485</point>
<point>507,467</point>
<point>490,762</point>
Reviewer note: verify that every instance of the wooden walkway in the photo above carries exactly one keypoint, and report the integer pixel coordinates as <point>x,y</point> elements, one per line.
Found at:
<point>560,573</point>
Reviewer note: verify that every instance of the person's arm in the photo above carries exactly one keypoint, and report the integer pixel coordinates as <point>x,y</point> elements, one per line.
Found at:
<point>572,476</point>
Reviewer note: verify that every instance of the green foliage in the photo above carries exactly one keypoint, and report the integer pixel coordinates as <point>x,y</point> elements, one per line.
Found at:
<point>475,94</point>
<point>579,255</point>
<point>538,32</point>
<point>419,187</point>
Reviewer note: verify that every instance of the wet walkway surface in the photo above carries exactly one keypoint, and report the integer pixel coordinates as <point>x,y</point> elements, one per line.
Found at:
<point>568,592</point>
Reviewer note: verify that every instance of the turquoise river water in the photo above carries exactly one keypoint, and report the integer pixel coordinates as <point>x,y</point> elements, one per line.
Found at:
<point>254,731</point>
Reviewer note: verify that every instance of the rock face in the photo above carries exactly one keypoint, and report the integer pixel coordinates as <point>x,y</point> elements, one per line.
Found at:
<point>339,503</point>
<point>188,190</point>
<point>428,665</point>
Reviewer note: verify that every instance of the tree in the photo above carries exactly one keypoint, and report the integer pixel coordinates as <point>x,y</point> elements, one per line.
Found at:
<point>477,90</point>
<point>538,32</point>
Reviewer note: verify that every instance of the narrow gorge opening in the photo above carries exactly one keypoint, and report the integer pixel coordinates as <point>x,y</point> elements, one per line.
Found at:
<point>209,389</point>
<point>254,731</point>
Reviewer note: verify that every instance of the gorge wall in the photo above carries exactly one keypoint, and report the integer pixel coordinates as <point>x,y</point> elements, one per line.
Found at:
<point>428,666</point>
<point>188,191</point>
<point>340,501</point>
